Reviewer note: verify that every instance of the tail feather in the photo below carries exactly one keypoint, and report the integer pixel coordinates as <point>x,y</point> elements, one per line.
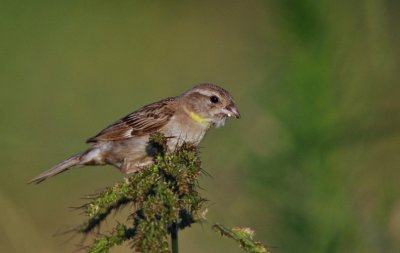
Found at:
<point>74,161</point>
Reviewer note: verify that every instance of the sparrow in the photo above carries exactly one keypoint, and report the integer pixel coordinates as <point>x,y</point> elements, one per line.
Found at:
<point>125,143</point>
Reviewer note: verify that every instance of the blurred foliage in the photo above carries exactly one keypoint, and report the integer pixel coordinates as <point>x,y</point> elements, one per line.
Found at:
<point>313,164</point>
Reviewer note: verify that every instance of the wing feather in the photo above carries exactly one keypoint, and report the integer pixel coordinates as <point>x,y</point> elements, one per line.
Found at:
<point>146,120</point>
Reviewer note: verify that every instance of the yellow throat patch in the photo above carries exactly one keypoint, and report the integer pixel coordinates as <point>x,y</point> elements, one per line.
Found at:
<point>194,116</point>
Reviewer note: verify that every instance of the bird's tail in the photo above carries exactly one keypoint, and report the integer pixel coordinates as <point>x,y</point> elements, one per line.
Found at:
<point>72,162</point>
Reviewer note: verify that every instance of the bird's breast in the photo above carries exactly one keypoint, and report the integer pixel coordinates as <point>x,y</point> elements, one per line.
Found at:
<point>183,129</point>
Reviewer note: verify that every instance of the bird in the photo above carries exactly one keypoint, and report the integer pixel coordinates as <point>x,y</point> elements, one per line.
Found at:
<point>125,143</point>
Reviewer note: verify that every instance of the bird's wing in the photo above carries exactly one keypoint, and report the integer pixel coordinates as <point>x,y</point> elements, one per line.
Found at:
<point>146,120</point>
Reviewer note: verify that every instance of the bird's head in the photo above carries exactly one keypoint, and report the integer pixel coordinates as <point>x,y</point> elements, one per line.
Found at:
<point>209,103</point>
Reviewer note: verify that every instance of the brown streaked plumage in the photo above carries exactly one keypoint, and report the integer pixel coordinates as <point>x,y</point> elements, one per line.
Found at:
<point>124,144</point>
<point>148,119</point>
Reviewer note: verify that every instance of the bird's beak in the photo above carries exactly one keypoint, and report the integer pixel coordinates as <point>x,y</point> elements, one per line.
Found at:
<point>231,110</point>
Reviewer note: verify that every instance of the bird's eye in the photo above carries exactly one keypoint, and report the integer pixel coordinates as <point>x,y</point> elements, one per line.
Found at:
<point>214,99</point>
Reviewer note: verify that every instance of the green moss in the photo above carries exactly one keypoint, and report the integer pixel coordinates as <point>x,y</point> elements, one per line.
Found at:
<point>103,244</point>
<point>243,236</point>
<point>163,194</point>
<point>164,197</point>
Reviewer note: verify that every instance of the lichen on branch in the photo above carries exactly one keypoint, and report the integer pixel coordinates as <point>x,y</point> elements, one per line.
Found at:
<point>163,198</point>
<point>243,236</point>
<point>162,195</point>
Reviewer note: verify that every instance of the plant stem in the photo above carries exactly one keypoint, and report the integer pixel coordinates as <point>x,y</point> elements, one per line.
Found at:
<point>174,238</point>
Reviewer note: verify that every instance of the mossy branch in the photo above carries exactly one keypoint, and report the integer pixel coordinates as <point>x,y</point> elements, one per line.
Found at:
<point>244,236</point>
<point>164,197</point>
<point>103,244</point>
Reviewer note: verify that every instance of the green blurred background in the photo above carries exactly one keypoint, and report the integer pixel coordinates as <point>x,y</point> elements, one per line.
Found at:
<point>313,165</point>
